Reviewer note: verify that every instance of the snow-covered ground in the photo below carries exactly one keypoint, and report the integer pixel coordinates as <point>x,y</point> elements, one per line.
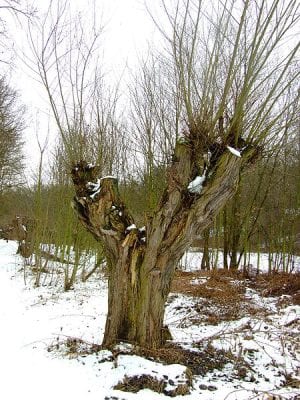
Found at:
<point>48,340</point>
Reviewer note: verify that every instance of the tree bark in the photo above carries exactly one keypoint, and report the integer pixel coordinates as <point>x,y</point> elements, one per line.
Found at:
<point>141,262</point>
<point>205,258</point>
<point>225,239</point>
<point>235,232</point>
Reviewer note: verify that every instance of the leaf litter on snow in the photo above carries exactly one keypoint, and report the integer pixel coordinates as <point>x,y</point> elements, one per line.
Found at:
<point>245,348</point>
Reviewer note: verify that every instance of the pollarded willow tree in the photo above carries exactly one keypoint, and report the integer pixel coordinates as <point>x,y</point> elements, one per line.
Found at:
<point>231,69</point>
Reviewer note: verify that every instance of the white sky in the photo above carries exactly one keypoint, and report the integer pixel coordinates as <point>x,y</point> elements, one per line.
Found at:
<point>128,31</point>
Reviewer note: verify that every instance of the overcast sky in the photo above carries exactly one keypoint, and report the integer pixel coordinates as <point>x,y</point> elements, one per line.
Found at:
<point>128,30</point>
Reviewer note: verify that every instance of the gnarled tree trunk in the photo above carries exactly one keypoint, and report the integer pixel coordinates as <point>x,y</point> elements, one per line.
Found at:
<point>142,261</point>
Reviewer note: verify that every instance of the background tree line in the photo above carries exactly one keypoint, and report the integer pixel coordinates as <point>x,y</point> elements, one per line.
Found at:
<point>262,217</point>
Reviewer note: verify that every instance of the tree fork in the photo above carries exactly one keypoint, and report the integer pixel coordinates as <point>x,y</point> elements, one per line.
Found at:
<point>141,262</point>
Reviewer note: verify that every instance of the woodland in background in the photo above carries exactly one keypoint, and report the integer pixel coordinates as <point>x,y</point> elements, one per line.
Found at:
<point>262,217</point>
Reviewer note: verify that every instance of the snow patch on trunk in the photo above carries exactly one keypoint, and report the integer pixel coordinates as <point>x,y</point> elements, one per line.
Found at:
<point>234,151</point>
<point>130,227</point>
<point>196,185</point>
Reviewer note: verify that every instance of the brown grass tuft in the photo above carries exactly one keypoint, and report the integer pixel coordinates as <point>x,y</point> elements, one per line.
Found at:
<point>218,284</point>
<point>136,383</point>
<point>220,295</point>
<point>198,362</point>
<point>278,284</point>
<point>74,347</point>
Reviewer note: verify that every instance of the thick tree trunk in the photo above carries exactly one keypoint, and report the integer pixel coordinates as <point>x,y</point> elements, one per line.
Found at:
<point>142,262</point>
<point>135,304</point>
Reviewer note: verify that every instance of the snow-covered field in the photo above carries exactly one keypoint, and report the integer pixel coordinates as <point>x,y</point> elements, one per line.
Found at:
<point>48,340</point>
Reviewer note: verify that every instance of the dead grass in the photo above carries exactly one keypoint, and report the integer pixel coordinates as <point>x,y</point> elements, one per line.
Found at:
<point>136,383</point>
<point>225,287</point>
<point>219,285</point>
<point>278,284</point>
<point>292,381</point>
<point>73,347</point>
<point>198,362</point>
<point>220,294</point>
<point>296,298</point>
